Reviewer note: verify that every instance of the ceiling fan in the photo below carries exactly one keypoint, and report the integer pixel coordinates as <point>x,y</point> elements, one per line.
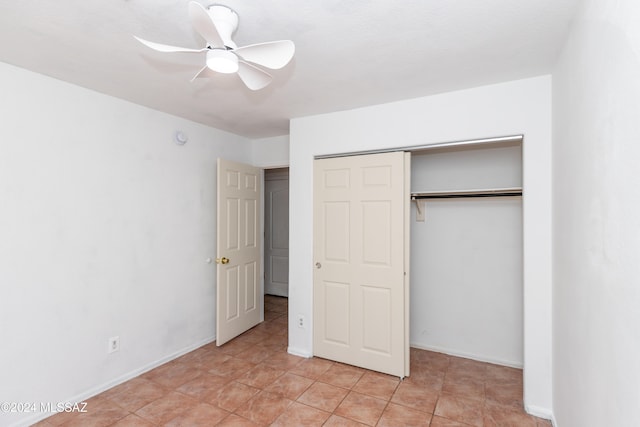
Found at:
<point>216,24</point>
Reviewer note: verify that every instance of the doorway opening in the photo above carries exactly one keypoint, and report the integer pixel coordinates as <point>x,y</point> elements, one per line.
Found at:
<point>276,245</point>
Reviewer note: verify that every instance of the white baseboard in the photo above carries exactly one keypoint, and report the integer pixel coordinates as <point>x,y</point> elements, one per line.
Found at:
<point>450,352</point>
<point>539,412</point>
<point>536,411</point>
<point>277,289</point>
<point>81,397</point>
<point>299,352</point>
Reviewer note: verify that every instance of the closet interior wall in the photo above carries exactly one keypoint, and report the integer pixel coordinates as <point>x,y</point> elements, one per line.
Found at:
<point>466,257</point>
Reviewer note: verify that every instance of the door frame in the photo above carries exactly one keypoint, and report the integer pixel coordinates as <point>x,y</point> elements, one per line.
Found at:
<point>261,225</point>
<point>280,175</point>
<point>262,230</point>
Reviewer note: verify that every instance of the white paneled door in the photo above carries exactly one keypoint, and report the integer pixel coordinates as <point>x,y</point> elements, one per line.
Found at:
<point>238,252</point>
<point>360,295</point>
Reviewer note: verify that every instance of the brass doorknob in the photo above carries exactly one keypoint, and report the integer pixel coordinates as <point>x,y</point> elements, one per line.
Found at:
<point>223,260</point>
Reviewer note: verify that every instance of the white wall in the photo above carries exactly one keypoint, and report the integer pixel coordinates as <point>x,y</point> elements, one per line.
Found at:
<point>489,111</point>
<point>466,257</point>
<point>105,224</point>
<point>270,152</point>
<point>596,219</point>
<point>495,165</point>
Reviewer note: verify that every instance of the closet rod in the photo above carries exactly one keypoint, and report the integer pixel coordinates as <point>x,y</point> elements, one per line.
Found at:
<point>454,194</point>
<point>421,148</point>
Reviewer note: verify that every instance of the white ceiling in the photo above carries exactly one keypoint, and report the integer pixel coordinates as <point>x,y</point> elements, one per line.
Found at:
<point>349,53</point>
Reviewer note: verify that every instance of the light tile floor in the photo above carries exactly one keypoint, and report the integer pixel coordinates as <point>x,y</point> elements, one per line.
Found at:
<point>253,381</point>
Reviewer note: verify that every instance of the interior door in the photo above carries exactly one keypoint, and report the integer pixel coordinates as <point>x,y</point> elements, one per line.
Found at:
<point>360,253</point>
<point>276,234</point>
<point>238,293</point>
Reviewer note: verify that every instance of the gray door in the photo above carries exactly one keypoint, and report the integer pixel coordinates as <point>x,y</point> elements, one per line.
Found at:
<point>276,248</point>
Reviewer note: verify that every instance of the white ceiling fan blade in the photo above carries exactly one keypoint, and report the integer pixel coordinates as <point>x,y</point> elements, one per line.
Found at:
<point>204,72</point>
<point>274,55</point>
<point>203,24</point>
<point>165,47</point>
<point>252,76</point>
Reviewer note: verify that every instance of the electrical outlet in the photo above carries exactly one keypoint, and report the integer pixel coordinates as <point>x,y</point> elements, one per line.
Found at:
<point>300,321</point>
<point>114,344</point>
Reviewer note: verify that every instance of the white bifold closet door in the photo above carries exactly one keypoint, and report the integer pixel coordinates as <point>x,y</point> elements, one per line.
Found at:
<point>360,294</point>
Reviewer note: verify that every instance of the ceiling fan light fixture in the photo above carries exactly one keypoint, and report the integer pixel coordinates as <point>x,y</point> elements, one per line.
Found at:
<point>222,61</point>
<point>216,24</point>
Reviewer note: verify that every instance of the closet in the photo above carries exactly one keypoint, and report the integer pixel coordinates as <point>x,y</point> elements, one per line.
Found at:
<point>463,209</point>
<point>466,251</point>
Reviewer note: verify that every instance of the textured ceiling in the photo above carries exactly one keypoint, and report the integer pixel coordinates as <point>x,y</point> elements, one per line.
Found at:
<point>349,53</point>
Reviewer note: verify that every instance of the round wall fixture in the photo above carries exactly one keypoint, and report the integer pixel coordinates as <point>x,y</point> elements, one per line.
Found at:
<point>180,137</point>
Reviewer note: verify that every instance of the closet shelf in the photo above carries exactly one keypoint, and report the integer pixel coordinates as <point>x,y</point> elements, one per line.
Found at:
<point>452,194</point>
